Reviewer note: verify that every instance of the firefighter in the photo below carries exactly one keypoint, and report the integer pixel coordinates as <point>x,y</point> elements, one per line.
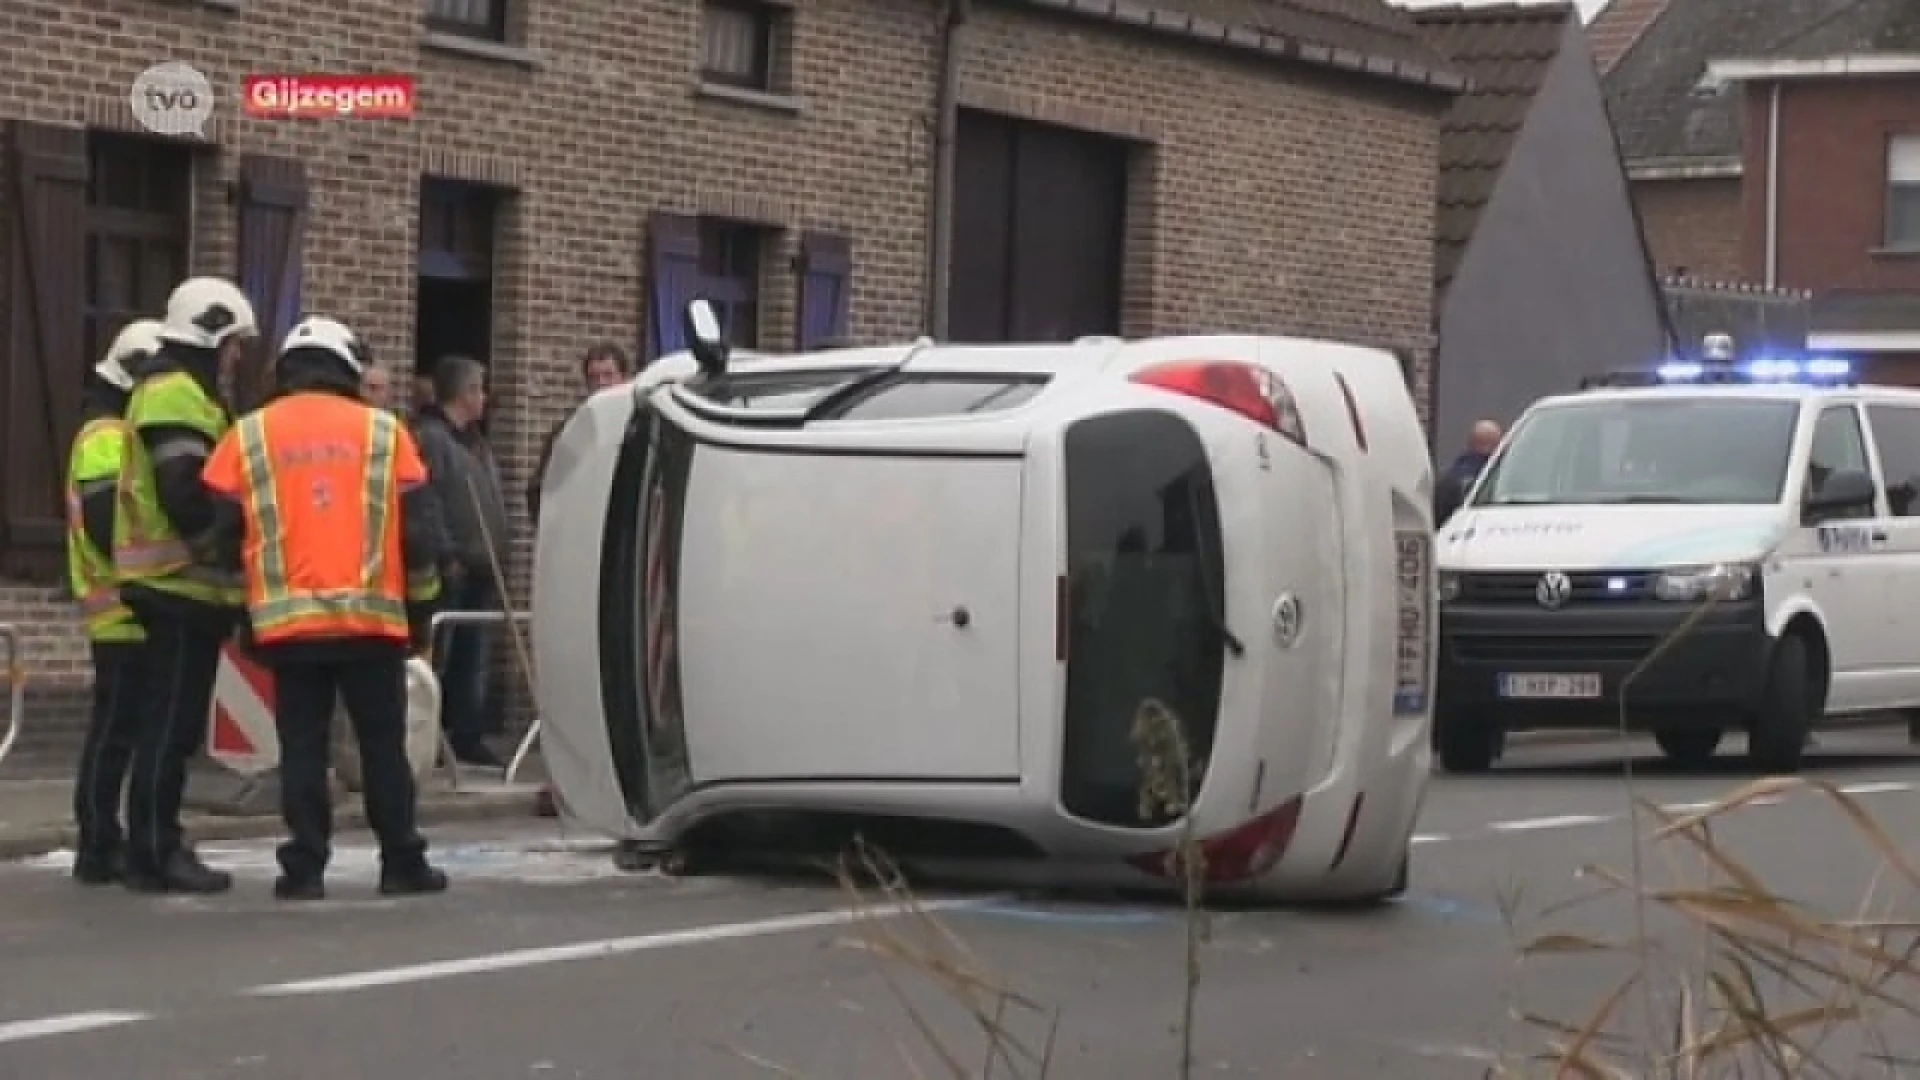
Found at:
<point>113,636</point>
<point>169,573</point>
<point>340,556</point>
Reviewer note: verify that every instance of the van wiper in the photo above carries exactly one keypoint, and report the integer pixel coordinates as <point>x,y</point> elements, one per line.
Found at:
<point>1209,576</point>
<point>1648,500</point>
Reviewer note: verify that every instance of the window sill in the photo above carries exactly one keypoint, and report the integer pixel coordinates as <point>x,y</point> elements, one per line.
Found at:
<point>759,99</point>
<point>479,49</point>
<point>1897,251</point>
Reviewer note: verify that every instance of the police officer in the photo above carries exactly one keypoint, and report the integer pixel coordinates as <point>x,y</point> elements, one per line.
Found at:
<point>113,637</point>
<point>340,556</point>
<point>168,570</point>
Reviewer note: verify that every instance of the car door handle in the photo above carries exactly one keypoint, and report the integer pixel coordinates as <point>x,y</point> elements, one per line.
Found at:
<point>1879,536</point>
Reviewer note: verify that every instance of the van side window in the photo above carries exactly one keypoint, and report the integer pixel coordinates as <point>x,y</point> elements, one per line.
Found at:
<point>1838,446</point>
<point>1896,434</point>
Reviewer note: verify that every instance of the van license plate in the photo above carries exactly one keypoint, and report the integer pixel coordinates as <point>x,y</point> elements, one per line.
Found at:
<point>1550,686</point>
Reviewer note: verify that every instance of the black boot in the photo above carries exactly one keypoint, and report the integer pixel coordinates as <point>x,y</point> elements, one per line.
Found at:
<point>419,879</point>
<point>183,873</point>
<point>286,887</point>
<point>102,866</point>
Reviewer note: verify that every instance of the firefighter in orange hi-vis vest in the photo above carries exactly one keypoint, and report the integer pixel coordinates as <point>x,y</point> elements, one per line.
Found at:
<point>340,558</point>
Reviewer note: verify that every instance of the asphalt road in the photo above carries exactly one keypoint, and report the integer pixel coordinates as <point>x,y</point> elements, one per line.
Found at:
<point>545,962</point>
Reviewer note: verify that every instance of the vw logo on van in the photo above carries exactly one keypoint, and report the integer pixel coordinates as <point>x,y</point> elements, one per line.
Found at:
<point>1554,590</point>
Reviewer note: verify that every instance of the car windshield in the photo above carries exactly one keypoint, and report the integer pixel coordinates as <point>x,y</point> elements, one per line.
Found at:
<point>1698,451</point>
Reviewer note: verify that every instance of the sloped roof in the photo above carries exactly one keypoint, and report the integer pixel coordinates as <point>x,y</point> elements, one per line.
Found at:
<point>1506,50</point>
<point>1617,26</point>
<point>1652,92</point>
<point>1370,38</point>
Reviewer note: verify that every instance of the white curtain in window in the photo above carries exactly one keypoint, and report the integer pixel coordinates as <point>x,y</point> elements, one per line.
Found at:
<point>1903,161</point>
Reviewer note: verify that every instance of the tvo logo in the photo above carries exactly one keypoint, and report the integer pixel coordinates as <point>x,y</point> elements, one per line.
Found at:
<point>172,99</point>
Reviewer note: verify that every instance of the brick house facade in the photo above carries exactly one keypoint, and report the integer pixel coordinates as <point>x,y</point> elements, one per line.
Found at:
<point>569,162</point>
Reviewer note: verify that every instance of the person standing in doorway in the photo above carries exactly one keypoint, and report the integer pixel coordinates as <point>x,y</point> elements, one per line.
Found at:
<point>340,564</point>
<point>170,570</point>
<point>1450,489</point>
<point>465,480</point>
<point>114,638</point>
<point>603,365</point>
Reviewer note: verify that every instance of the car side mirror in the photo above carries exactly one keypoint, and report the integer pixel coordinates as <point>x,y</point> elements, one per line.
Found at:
<point>704,337</point>
<point>1843,493</point>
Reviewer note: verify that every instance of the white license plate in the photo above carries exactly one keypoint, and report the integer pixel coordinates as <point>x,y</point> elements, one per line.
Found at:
<point>1550,686</point>
<point>1413,560</point>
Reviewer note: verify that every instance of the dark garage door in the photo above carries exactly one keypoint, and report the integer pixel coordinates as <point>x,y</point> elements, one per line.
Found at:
<point>1038,218</point>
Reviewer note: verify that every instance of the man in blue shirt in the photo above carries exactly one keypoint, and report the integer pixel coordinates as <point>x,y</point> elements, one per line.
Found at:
<point>1451,487</point>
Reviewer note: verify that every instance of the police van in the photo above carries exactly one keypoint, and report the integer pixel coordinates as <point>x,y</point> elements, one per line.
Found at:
<point>1695,550</point>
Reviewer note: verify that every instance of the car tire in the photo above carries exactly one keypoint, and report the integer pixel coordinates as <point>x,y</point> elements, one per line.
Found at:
<point>1466,745</point>
<point>1777,740</point>
<point>1688,747</point>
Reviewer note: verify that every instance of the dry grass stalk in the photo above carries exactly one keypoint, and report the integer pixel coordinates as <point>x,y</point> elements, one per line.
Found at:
<point>870,878</point>
<point>1776,989</point>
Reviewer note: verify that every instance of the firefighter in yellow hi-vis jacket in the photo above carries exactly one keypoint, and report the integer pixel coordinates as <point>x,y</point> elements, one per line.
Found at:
<point>113,636</point>
<point>170,574</point>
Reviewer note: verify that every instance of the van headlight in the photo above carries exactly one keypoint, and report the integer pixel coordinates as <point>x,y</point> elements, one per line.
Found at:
<point>1720,581</point>
<point>1449,586</point>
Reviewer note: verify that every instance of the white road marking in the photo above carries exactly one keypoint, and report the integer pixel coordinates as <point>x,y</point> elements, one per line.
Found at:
<point>590,950</point>
<point>69,1024</point>
<point>1565,821</point>
<point>1426,838</point>
<point>1874,789</point>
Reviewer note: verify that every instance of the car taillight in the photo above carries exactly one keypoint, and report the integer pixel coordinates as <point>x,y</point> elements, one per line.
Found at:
<point>1244,852</point>
<point>1253,392</point>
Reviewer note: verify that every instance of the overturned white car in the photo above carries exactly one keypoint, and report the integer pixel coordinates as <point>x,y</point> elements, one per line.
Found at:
<point>920,592</point>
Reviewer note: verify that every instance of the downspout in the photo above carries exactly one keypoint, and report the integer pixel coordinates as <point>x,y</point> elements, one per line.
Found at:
<point>945,135</point>
<point>1773,186</point>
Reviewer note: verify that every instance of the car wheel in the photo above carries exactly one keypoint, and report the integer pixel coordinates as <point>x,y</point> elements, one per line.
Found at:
<point>1688,747</point>
<point>1778,739</point>
<point>1465,744</point>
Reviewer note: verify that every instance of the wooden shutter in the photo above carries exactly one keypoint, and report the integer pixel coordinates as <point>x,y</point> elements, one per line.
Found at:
<point>826,285</point>
<point>273,214</point>
<point>673,279</point>
<point>44,368</point>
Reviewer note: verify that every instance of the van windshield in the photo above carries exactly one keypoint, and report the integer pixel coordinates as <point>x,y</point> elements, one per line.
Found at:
<point>1684,450</point>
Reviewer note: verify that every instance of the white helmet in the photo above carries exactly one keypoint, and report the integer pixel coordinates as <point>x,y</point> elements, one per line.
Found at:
<point>136,342</point>
<point>332,335</point>
<point>205,311</point>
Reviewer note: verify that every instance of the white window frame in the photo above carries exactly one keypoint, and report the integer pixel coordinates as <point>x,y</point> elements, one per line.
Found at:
<point>1903,192</point>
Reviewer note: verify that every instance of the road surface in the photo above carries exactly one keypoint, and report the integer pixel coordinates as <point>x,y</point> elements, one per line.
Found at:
<point>545,962</point>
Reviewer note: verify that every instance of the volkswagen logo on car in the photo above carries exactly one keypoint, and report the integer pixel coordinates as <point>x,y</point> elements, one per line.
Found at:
<point>1554,590</point>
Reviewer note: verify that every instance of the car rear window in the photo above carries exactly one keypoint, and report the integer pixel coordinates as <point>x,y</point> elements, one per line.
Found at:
<point>1145,593</point>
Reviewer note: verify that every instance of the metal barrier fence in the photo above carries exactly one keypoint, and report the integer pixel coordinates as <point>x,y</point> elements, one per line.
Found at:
<point>17,689</point>
<point>446,619</point>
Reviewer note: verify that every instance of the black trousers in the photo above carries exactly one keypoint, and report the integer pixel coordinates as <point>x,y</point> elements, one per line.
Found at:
<point>371,679</point>
<point>119,703</point>
<point>181,656</point>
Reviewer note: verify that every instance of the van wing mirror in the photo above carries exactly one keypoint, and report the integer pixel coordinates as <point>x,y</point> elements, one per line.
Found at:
<point>1843,492</point>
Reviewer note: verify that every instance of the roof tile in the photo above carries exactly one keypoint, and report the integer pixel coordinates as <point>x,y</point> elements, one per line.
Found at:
<point>1506,49</point>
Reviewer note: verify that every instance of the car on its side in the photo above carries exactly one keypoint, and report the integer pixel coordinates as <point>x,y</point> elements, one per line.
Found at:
<point>922,592</point>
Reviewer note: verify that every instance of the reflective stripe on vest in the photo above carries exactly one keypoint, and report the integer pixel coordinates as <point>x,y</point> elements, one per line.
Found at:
<point>279,612</point>
<point>147,549</point>
<point>98,452</point>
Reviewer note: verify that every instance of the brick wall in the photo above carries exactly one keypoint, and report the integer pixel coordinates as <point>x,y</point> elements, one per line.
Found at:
<point>1263,200</point>
<point>1693,227</point>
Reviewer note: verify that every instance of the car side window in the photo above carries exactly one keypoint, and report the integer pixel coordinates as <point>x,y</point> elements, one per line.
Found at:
<point>1838,446</point>
<point>1896,435</point>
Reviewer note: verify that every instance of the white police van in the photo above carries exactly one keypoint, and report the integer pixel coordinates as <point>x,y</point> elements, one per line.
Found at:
<point>1576,577</point>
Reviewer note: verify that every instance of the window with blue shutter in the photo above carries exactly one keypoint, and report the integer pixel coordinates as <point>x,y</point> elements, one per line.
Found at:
<point>674,279</point>
<point>826,286</point>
